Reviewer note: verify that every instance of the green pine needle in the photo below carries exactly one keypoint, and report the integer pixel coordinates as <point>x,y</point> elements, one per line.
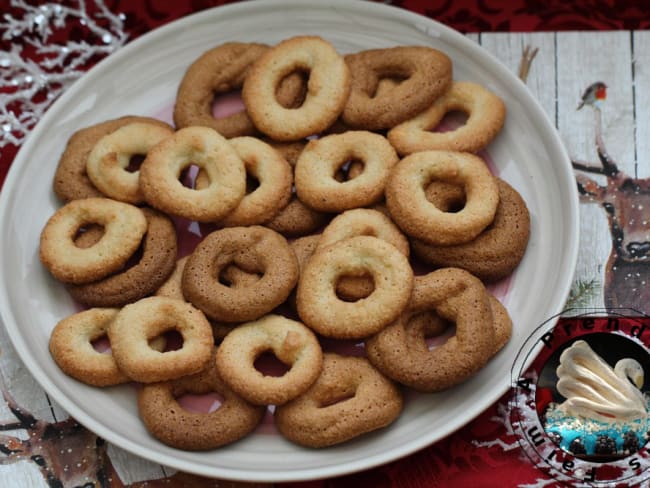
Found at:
<point>582,293</point>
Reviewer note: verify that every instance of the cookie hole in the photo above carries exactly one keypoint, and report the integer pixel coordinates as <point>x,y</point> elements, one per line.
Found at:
<point>434,340</point>
<point>268,364</point>
<point>338,397</point>
<point>226,104</point>
<point>286,87</point>
<point>352,288</point>
<point>101,344</point>
<point>135,162</point>
<point>451,121</point>
<point>170,340</point>
<point>252,183</point>
<point>189,176</point>
<point>349,170</point>
<point>233,276</point>
<point>385,85</point>
<point>448,197</point>
<point>88,235</point>
<point>201,403</point>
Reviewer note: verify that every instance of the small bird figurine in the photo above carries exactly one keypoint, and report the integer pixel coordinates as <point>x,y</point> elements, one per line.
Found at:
<point>593,95</point>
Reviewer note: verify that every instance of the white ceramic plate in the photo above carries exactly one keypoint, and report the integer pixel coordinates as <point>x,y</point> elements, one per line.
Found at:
<point>142,79</point>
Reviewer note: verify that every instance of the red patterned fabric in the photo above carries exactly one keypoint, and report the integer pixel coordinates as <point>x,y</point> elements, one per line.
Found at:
<point>483,453</point>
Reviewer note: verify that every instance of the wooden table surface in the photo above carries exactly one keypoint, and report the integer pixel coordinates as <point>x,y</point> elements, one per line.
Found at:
<point>565,65</point>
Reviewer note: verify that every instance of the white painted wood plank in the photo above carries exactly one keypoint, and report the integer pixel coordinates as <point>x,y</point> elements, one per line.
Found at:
<point>641,46</point>
<point>132,468</point>
<point>508,48</point>
<point>24,474</point>
<point>582,59</point>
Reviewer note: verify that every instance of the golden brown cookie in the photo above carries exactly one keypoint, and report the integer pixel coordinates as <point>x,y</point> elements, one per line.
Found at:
<point>108,163</point>
<point>349,398</point>
<point>317,166</point>
<point>142,278</point>
<point>71,181</point>
<point>424,74</point>
<point>457,297</point>
<point>167,420</point>
<point>273,258</point>
<point>211,152</point>
<point>497,251</point>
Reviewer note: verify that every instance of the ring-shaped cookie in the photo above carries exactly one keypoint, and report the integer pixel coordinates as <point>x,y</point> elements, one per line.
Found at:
<point>110,157</point>
<point>275,177</point>
<point>124,226</point>
<point>138,323</point>
<point>221,70</point>
<point>322,310</point>
<point>291,342</point>
<point>364,222</point>
<point>424,74</point>
<point>315,173</point>
<point>361,222</point>
<point>495,252</point>
<point>349,398</point>
<point>327,88</point>
<point>144,277</point>
<point>71,181</point>
<point>275,261</point>
<point>161,170</point>
<point>297,219</point>
<point>167,420</point>
<point>457,296</point>
<point>72,349</point>
<point>419,218</point>
<point>486,114</point>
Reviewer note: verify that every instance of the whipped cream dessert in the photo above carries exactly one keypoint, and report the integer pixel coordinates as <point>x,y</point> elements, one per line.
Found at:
<point>605,413</point>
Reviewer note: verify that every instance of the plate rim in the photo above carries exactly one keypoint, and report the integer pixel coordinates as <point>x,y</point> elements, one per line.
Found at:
<point>11,322</point>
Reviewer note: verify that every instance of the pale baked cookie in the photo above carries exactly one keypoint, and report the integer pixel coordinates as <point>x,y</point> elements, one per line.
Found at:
<point>143,277</point>
<point>138,323</point>
<point>71,181</point>
<point>71,346</point>
<point>315,173</point>
<point>322,310</point>
<point>486,114</point>
<point>291,342</point>
<point>327,88</point>
<point>203,147</point>
<point>124,226</point>
<point>419,218</point>
<point>108,162</point>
